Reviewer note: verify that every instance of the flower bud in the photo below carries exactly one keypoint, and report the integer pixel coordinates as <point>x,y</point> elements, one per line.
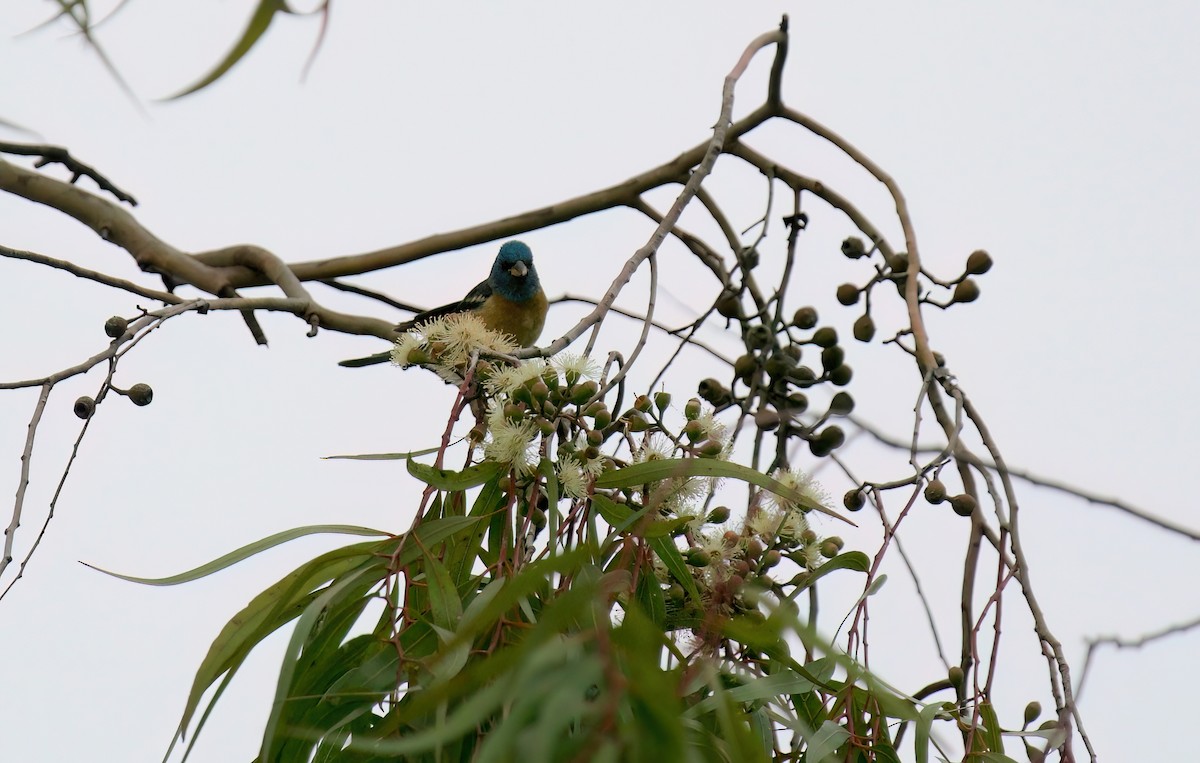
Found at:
<point>719,515</point>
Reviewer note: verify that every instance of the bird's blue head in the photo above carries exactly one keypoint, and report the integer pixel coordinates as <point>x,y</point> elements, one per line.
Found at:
<point>513,275</point>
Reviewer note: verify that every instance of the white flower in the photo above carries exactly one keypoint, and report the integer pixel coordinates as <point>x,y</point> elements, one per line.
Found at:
<point>509,378</point>
<point>460,334</point>
<point>802,483</point>
<point>572,477</point>
<point>510,442</point>
<point>574,367</point>
<point>764,521</point>
<point>402,353</point>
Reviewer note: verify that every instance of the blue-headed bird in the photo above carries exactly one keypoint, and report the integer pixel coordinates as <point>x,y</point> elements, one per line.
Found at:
<point>510,301</point>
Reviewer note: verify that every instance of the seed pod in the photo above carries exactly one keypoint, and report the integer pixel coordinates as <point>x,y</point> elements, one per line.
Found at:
<point>115,326</point>
<point>841,375</point>
<point>864,328</point>
<point>819,447</point>
<point>898,263</point>
<point>141,394</point>
<point>955,674</point>
<point>829,549</point>
<point>714,392</point>
<point>853,247</point>
<point>743,367</point>
<point>710,449</point>
<point>758,336</point>
<point>691,409</point>
<point>979,262</point>
<point>935,491</point>
<point>728,305</point>
<point>966,291</point>
<point>539,390</point>
<point>778,364</point>
<point>833,435</point>
<point>854,500</point>
<point>841,404</point>
<point>963,504</point>
<point>797,402</point>
<point>805,318</point>
<point>826,336</point>
<point>832,357</point>
<point>642,404</point>
<point>635,422</point>
<point>802,376</point>
<point>85,407</point>
<point>697,557</point>
<point>847,294</point>
<point>766,419</point>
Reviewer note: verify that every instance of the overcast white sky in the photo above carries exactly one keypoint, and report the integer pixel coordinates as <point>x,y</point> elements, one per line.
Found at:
<point>1062,139</point>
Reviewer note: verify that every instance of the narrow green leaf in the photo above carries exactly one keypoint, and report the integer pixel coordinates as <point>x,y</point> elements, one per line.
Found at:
<point>263,15</point>
<point>679,569</point>
<point>309,619</point>
<point>669,468</point>
<point>765,687</point>
<point>241,554</point>
<point>851,560</point>
<point>824,742</point>
<point>383,456</point>
<point>444,603</point>
<point>444,479</point>
<point>991,727</point>
<point>924,728</point>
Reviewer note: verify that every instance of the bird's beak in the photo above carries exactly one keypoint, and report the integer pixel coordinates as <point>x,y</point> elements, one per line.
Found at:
<point>519,270</point>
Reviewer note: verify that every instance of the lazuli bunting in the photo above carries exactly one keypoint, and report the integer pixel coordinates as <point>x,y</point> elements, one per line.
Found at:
<point>510,301</point>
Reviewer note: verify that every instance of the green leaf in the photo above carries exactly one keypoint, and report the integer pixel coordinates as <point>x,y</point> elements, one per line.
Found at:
<point>851,560</point>
<point>309,620</point>
<point>924,727</point>
<point>267,612</point>
<point>824,742</point>
<point>764,687</point>
<point>444,479</point>
<point>991,727</point>
<point>383,456</point>
<point>679,569</point>
<point>241,554</point>
<point>264,14</point>
<point>671,468</point>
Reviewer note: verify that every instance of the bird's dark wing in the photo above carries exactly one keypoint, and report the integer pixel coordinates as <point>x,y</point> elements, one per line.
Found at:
<point>473,301</point>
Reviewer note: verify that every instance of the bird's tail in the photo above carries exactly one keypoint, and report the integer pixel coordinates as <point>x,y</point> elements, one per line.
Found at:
<point>370,360</point>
